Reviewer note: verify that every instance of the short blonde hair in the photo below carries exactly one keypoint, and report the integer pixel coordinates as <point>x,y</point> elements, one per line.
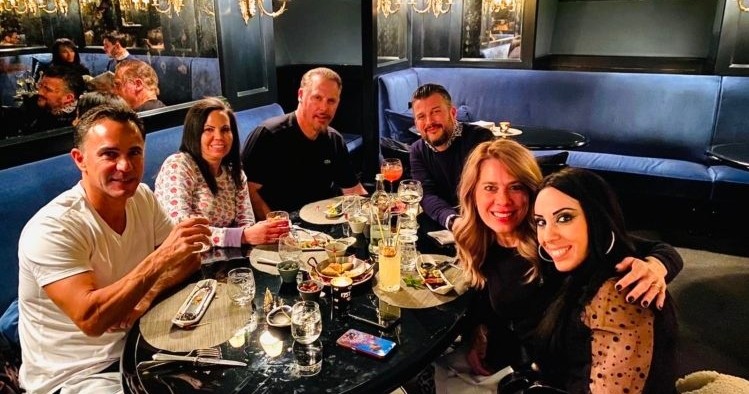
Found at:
<point>133,68</point>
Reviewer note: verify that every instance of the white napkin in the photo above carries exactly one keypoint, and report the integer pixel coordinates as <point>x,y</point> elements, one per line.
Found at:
<point>444,237</point>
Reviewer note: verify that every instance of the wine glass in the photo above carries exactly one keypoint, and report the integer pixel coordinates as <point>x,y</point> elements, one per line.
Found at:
<point>392,170</point>
<point>289,248</point>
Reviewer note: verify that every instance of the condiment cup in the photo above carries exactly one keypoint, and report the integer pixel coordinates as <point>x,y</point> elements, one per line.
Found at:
<point>335,249</point>
<point>310,290</point>
<point>288,270</point>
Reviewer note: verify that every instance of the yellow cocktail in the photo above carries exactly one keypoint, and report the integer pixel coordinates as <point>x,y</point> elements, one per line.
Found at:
<point>389,257</point>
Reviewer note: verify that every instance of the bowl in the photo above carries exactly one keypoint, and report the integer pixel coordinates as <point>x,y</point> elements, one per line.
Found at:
<point>336,249</point>
<point>310,289</point>
<point>280,316</point>
<point>288,270</point>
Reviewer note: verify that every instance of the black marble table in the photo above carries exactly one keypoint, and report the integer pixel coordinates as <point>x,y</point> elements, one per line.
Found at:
<point>421,336</point>
<point>733,154</point>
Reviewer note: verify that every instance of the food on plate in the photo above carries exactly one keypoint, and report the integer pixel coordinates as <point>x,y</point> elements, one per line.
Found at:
<point>313,243</point>
<point>309,286</point>
<point>337,269</point>
<point>433,277</point>
<point>334,210</point>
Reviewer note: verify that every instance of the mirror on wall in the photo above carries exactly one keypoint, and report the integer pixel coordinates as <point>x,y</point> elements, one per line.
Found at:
<point>492,29</point>
<point>178,38</point>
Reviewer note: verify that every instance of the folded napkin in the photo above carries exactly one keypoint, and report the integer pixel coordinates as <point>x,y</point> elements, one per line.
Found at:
<point>444,237</point>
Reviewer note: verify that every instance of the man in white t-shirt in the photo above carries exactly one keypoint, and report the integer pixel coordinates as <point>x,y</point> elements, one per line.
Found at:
<point>94,258</point>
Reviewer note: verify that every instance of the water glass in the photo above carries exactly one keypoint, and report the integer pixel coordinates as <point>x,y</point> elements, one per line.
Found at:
<point>289,248</point>
<point>277,216</point>
<point>407,223</point>
<point>241,285</point>
<point>409,254</point>
<point>306,322</point>
<point>389,259</point>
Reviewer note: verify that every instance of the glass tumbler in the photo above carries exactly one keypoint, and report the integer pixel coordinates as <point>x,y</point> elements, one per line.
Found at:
<point>409,254</point>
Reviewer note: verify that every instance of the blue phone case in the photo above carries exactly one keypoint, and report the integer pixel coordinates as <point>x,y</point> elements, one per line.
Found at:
<point>368,344</point>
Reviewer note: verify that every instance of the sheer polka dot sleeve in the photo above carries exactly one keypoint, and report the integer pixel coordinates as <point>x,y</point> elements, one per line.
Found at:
<point>622,342</point>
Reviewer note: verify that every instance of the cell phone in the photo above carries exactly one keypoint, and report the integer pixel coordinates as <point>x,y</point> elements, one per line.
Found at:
<point>367,344</point>
<point>371,315</point>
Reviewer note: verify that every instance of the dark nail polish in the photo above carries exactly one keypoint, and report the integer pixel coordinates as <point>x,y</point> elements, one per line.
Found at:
<point>630,299</point>
<point>618,288</point>
<point>645,304</point>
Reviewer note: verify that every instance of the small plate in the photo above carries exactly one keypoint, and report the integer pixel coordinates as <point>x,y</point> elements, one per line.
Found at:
<point>428,267</point>
<point>196,303</point>
<point>312,240</point>
<point>277,318</point>
<point>511,131</point>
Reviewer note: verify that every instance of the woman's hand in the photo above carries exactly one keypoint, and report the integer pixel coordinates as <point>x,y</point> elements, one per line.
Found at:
<point>265,232</point>
<point>646,280</point>
<point>477,354</point>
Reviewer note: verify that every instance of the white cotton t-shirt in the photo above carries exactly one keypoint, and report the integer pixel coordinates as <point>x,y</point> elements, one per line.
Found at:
<point>67,237</point>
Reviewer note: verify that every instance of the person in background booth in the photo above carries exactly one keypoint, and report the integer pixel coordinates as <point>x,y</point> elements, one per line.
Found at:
<point>321,167</point>
<point>64,53</point>
<point>91,100</point>
<point>596,341</point>
<point>206,179</point>
<point>498,249</point>
<point>93,259</point>
<point>114,44</point>
<point>437,158</point>
<point>137,83</point>
<point>52,107</point>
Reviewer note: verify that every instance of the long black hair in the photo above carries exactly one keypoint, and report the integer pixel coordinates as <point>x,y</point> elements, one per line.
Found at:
<point>608,244</point>
<point>195,120</point>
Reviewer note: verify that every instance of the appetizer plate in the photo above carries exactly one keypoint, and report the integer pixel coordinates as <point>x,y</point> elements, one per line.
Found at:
<point>429,267</point>
<point>358,270</point>
<point>196,303</point>
<point>312,240</point>
<point>318,212</point>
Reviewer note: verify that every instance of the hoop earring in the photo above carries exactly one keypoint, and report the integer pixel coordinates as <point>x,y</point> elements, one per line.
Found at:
<point>541,255</point>
<point>613,239</point>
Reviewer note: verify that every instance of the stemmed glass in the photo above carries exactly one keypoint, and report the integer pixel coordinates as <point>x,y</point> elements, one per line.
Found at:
<point>392,170</point>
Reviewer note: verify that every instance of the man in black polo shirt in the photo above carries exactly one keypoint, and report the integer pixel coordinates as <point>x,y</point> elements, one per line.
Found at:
<point>317,165</point>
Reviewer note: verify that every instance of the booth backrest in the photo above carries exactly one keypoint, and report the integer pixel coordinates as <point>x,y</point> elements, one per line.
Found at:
<point>732,124</point>
<point>658,115</point>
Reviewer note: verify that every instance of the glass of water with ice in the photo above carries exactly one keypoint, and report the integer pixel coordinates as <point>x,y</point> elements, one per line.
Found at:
<point>306,322</point>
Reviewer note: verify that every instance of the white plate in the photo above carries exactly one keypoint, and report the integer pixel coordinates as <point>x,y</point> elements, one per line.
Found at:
<point>498,133</point>
<point>196,303</point>
<point>314,212</point>
<point>276,317</point>
<point>313,240</point>
<point>436,259</point>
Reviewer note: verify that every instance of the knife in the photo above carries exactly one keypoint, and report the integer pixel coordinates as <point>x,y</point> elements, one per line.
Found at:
<point>263,260</point>
<point>198,360</point>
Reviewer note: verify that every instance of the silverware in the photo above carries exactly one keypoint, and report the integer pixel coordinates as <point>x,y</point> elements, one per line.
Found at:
<point>263,260</point>
<point>198,360</point>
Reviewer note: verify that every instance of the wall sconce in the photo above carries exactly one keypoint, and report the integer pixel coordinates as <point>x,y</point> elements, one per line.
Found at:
<point>34,6</point>
<point>437,7</point>
<point>742,7</point>
<point>249,8</point>
<point>387,7</point>
<point>175,5</point>
<point>500,5</point>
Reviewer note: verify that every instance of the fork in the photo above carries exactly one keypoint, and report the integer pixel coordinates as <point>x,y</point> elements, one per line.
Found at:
<point>196,354</point>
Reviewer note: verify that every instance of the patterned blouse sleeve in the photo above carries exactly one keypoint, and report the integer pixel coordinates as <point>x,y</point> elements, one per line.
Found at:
<point>173,187</point>
<point>622,342</point>
<point>245,216</point>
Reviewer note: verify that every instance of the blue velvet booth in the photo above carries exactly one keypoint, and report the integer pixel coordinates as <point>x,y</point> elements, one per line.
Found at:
<point>647,132</point>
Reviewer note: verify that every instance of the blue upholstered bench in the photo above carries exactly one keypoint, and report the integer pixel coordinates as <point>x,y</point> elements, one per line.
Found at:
<point>647,132</point>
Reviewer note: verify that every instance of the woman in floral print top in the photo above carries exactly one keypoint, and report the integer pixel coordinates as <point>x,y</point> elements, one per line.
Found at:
<point>596,341</point>
<point>206,179</point>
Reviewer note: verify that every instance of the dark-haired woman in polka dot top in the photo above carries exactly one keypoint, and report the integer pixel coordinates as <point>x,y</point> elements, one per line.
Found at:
<point>594,340</point>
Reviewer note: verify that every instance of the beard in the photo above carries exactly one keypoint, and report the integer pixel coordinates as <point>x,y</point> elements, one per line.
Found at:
<point>444,137</point>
